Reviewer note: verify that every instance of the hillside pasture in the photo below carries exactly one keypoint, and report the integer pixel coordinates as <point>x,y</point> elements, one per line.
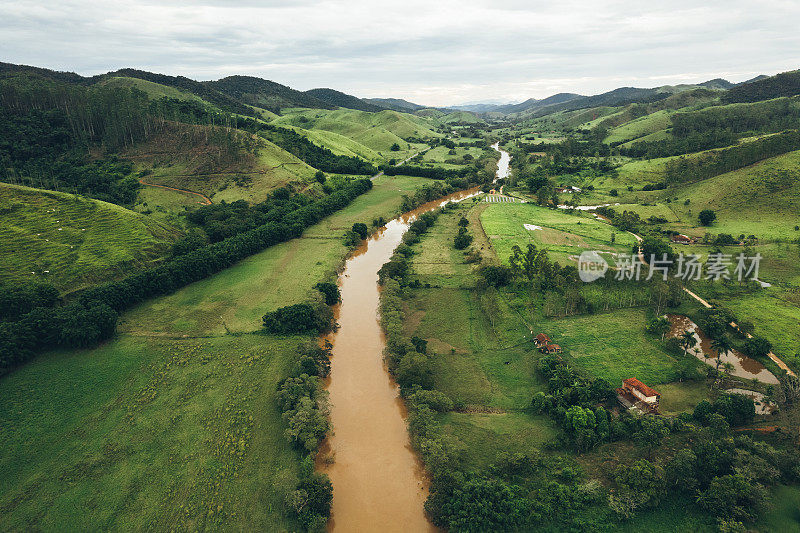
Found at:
<point>72,241</point>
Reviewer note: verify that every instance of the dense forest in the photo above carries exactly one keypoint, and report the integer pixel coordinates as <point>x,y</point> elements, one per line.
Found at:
<point>784,84</point>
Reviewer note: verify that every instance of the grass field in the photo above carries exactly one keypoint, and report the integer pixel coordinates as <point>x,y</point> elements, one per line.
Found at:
<point>564,235</point>
<point>486,435</point>
<point>613,346</point>
<point>681,397</point>
<point>785,515</point>
<point>147,434</point>
<point>80,241</point>
<point>165,205</point>
<point>436,261</point>
<point>441,156</point>
<point>237,298</point>
<point>776,315</point>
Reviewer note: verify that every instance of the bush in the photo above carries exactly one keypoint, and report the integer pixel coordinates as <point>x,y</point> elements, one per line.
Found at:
<point>361,230</point>
<point>706,217</point>
<point>298,319</point>
<point>330,291</point>
<point>496,276</point>
<point>463,239</point>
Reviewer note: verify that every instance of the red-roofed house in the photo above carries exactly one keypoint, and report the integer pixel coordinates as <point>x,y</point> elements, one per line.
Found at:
<point>681,239</point>
<point>551,348</point>
<point>542,340</point>
<point>641,391</point>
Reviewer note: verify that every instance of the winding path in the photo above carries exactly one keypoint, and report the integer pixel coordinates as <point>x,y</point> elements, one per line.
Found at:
<point>205,199</point>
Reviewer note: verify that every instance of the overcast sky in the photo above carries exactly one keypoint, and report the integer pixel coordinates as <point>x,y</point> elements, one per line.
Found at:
<point>434,52</point>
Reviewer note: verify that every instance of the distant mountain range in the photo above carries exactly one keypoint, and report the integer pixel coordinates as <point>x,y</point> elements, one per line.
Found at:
<point>239,94</point>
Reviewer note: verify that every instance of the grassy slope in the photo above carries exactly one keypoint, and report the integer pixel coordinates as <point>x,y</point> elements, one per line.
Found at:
<point>79,240</point>
<point>164,432</point>
<point>197,166</point>
<point>646,125</point>
<point>339,144</point>
<point>153,90</point>
<point>376,131</point>
<point>762,199</point>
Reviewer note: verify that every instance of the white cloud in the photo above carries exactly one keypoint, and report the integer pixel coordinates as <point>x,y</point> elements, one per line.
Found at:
<point>434,52</point>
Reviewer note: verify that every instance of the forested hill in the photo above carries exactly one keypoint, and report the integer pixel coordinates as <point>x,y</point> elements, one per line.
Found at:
<point>340,99</point>
<point>201,90</point>
<point>783,84</point>
<point>395,104</point>
<point>266,94</point>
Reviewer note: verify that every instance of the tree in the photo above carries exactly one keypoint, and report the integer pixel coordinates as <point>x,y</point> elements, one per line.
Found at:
<point>330,291</point>
<point>463,239</point>
<point>733,496</point>
<point>722,345</point>
<point>688,341</point>
<point>361,229</point>
<point>496,276</point>
<point>706,217</point>
<point>641,485</point>
<point>658,326</point>
<point>320,176</point>
<point>298,318</point>
<point>395,147</point>
<point>420,344</point>
<point>485,505</point>
<point>757,347</point>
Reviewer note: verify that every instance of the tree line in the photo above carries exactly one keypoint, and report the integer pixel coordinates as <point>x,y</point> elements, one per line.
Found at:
<point>705,166</point>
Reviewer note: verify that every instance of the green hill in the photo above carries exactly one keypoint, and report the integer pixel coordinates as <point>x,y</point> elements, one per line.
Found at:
<point>375,131</point>
<point>761,199</point>
<point>186,158</point>
<point>783,84</point>
<point>73,241</point>
<point>153,90</point>
<point>266,94</point>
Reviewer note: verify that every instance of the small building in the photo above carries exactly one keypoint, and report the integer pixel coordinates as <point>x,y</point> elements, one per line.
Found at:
<point>635,394</point>
<point>568,190</point>
<point>542,340</point>
<point>551,348</point>
<point>681,239</point>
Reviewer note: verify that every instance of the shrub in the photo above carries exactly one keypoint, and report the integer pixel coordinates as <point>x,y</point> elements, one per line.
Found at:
<point>298,319</point>
<point>706,217</point>
<point>330,291</point>
<point>361,230</point>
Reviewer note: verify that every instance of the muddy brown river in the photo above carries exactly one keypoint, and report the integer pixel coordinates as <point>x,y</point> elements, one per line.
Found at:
<point>379,484</point>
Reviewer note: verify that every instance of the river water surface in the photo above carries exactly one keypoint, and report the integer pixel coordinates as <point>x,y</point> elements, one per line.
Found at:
<point>503,163</point>
<point>379,484</point>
